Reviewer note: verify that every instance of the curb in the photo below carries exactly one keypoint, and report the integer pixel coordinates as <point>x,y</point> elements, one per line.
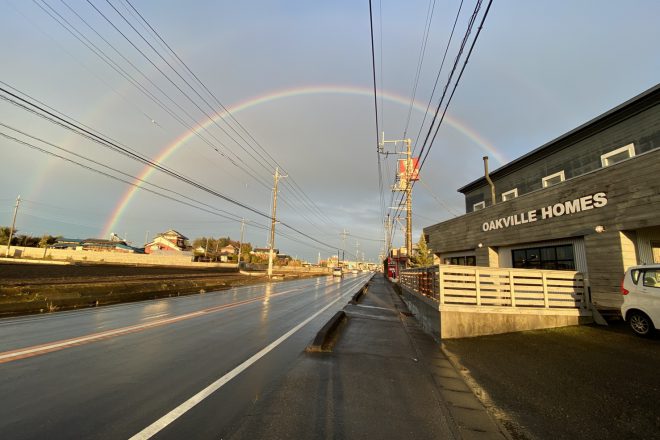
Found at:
<point>356,297</point>
<point>324,336</point>
<point>496,414</point>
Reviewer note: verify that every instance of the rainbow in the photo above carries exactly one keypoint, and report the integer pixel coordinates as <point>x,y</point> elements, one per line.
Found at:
<point>169,150</point>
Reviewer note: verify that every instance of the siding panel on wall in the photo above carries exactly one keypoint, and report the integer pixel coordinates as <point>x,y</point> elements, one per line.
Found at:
<point>633,192</point>
<point>580,157</point>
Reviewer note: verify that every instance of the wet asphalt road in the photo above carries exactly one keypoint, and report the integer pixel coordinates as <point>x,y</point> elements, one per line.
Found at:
<point>587,382</point>
<point>118,369</point>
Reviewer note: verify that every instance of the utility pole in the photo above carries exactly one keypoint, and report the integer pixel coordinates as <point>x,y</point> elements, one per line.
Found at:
<point>409,175</point>
<point>146,237</point>
<point>272,222</point>
<point>343,234</point>
<point>13,224</point>
<point>357,251</point>
<point>405,180</point>
<point>240,242</point>
<point>388,235</point>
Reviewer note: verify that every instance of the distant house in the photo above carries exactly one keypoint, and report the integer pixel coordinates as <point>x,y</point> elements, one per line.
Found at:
<point>170,241</point>
<point>263,251</point>
<point>229,250</point>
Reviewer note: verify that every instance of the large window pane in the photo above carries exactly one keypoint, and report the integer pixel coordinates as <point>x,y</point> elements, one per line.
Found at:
<point>548,254</point>
<point>565,252</point>
<point>533,256</point>
<point>519,258</point>
<point>547,257</point>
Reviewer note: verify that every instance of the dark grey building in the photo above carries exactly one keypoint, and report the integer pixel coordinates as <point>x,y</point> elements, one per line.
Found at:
<point>588,201</point>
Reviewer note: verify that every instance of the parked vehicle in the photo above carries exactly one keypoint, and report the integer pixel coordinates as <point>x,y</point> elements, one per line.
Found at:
<point>640,288</point>
<point>336,272</point>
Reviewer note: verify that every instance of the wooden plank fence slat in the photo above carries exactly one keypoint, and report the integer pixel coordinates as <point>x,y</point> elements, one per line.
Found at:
<point>483,286</point>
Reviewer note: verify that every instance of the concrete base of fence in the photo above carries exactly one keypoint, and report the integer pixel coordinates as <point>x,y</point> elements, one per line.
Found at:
<point>425,310</point>
<point>458,322</point>
<point>465,321</point>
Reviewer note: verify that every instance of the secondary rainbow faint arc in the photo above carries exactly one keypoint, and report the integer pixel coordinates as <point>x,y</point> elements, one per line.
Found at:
<point>166,152</point>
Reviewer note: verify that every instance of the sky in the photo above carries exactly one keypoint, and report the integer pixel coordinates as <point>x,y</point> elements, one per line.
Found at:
<point>289,84</point>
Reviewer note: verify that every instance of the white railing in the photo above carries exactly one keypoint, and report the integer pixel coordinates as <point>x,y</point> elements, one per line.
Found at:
<point>495,287</point>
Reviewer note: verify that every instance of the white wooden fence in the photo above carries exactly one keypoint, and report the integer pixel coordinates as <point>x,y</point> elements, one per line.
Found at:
<point>495,287</point>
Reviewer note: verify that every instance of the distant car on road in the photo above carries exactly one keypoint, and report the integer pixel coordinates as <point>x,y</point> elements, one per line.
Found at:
<point>336,272</point>
<point>354,271</point>
<point>640,288</point>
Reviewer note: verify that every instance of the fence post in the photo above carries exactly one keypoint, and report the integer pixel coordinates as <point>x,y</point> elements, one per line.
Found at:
<point>546,304</point>
<point>477,284</point>
<point>512,290</point>
<point>441,286</point>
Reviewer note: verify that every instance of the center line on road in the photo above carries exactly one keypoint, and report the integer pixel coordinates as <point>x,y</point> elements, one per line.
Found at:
<point>186,406</point>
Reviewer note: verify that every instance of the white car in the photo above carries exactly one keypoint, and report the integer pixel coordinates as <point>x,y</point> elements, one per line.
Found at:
<point>640,288</point>
<point>336,272</point>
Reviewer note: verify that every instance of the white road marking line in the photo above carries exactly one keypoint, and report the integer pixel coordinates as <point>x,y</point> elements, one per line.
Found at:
<point>154,316</point>
<point>186,406</point>
<point>372,307</point>
<point>125,330</point>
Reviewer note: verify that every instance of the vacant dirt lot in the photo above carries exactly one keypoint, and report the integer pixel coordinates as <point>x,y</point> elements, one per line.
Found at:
<point>29,273</point>
<point>38,288</point>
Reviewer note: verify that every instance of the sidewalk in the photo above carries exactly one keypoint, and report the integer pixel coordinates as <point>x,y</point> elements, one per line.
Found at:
<point>385,378</point>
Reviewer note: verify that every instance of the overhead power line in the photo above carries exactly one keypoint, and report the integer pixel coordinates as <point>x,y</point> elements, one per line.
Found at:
<point>131,153</point>
<point>426,146</point>
<point>267,161</point>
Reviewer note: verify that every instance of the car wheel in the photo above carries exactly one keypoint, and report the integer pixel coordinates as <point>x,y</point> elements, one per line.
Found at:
<point>640,323</point>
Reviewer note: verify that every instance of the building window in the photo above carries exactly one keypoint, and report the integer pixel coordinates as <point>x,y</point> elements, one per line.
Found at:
<point>553,179</point>
<point>468,260</point>
<point>617,155</point>
<point>655,249</point>
<point>547,257</point>
<point>510,194</point>
<point>478,206</point>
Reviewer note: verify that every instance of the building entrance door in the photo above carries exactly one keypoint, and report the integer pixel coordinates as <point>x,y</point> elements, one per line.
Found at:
<point>655,246</point>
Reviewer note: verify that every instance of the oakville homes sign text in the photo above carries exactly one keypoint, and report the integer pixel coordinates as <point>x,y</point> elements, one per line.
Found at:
<point>585,203</point>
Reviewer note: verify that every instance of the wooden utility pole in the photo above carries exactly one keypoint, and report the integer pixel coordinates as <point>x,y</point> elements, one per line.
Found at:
<point>13,224</point>
<point>272,222</point>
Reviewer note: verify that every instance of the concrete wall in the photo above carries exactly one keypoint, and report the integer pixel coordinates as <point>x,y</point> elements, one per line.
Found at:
<point>110,257</point>
<point>173,259</point>
<point>456,323</point>
<point>425,310</point>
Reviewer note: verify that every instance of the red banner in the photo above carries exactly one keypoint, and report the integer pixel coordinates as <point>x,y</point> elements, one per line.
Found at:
<point>414,169</point>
